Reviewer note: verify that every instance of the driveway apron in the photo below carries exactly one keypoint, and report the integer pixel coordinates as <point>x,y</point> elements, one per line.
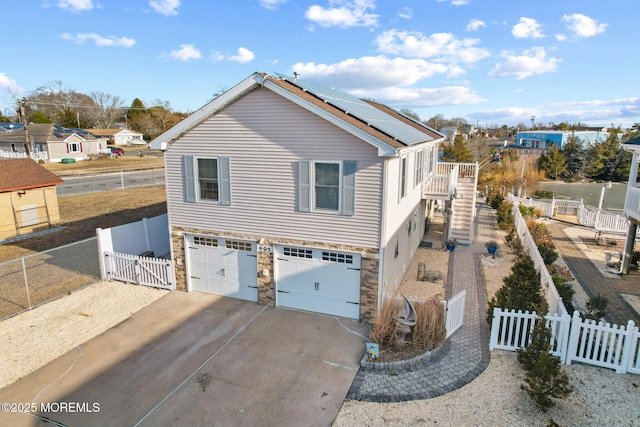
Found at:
<point>195,359</point>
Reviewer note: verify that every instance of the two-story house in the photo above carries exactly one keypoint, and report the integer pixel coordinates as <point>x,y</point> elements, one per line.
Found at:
<point>288,193</point>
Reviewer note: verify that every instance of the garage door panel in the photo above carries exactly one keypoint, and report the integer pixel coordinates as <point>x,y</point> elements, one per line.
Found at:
<point>223,267</point>
<point>318,280</point>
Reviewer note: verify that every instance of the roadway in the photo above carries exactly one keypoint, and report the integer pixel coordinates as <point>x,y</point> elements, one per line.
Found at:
<point>112,181</point>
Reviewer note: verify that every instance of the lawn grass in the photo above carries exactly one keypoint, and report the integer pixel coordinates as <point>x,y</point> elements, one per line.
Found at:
<point>82,214</point>
<point>150,160</point>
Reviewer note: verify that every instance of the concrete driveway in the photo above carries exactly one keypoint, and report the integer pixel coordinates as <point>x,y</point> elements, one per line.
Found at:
<point>192,359</point>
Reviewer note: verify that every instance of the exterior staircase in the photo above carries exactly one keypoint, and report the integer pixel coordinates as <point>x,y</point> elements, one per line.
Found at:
<point>464,214</point>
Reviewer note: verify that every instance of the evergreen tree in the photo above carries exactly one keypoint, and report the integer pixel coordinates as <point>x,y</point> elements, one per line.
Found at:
<point>457,151</point>
<point>547,380</point>
<point>38,117</point>
<point>608,160</point>
<point>552,162</point>
<point>520,291</point>
<point>575,157</point>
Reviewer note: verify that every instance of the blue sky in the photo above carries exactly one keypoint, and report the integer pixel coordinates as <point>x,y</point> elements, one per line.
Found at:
<point>492,62</point>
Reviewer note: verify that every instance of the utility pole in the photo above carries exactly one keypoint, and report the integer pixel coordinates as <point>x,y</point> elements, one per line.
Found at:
<point>27,143</point>
<point>533,119</point>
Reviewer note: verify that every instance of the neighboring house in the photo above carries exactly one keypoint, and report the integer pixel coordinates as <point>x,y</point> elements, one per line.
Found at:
<point>120,136</point>
<point>557,138</point>
<point>28,200</point>
<point>52,143</point>
<point>449,132</point>
<point>288,193</point>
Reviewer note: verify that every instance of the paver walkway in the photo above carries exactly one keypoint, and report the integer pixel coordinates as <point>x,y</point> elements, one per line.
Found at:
<point>593,281</point>
<point>465,355</point>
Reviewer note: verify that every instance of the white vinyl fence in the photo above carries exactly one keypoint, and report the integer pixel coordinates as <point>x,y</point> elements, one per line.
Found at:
<point>556,305</point>
<point>573,339</point>
<point>130,253</point>
<point>154,272</point>
<point>454,312</point>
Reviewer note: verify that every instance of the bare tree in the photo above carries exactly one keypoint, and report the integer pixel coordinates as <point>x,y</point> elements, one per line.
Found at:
<point>108,109</point>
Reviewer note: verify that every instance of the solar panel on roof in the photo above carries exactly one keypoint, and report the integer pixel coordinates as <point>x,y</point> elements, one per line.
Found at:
<point>363,111</point>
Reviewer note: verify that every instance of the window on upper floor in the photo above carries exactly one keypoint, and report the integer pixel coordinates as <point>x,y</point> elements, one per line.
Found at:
<point>207,179</point>
<point>326,186</point>
<point>403,177</point>
<point>419,163</point>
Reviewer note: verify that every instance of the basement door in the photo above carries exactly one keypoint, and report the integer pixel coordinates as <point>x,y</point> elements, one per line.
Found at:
<point>225,267</point>
<point>319,280</point>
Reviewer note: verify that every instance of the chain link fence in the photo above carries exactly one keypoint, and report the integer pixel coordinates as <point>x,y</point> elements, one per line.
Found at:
<point>39,278</point>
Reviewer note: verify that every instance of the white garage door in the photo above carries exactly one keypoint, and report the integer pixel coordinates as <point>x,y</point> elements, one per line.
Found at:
<point>223,267</point>
<point>319,280</point>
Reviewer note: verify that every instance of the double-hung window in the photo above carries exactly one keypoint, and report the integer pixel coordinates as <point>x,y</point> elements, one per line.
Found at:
<point>208,179</point>
<point>327,186</point>
<point>326,183</point>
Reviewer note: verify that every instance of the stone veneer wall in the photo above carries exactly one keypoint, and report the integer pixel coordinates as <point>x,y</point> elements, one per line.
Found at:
<point>369,272</point>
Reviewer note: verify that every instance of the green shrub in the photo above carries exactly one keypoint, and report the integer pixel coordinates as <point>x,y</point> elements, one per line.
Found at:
<point>503,215</point>
<point>564,288</point>
<point>548,253</point>
<point>546,381</point>
<point>520,291</point>
<point>596,307</point>
<point>496,200</point>
<point>527,211</point>
<point>513,242</point>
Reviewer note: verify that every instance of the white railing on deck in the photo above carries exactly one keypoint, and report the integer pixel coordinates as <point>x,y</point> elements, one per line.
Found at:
<point>586,215</point>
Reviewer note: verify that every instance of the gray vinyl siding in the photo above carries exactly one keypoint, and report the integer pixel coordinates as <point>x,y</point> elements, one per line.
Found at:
<point>265,136</point>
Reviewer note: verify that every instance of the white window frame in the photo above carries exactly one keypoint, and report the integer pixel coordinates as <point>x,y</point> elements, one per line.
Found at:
<point>404,172</point>
<point>74,147</point>
<point>313,185</point>
<point>418,163</point>
<point>197,179</point>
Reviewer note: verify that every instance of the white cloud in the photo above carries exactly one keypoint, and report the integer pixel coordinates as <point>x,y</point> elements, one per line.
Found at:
<point>406,13</point>
<point>244,55</point>
<point>439,46</point>
<point>597,102</point>
<point>527,28</point>
<point>475,25</point>
<point>531,62</point>
<point>421,97</point>
<point>76,5</point>
<point>10,85</point>
<point>561,37</point>
<point>344,14</point>
<point>459,2</point>
<point>165,7</point>
<point>271,4</point>
<point>373,72</point>
<point>99,41</point>
<point>582,25</point>
<point>186,52</point>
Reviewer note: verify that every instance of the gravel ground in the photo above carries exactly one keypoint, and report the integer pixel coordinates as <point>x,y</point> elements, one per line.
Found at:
<point>36,337</point>
<point>601,397</point>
